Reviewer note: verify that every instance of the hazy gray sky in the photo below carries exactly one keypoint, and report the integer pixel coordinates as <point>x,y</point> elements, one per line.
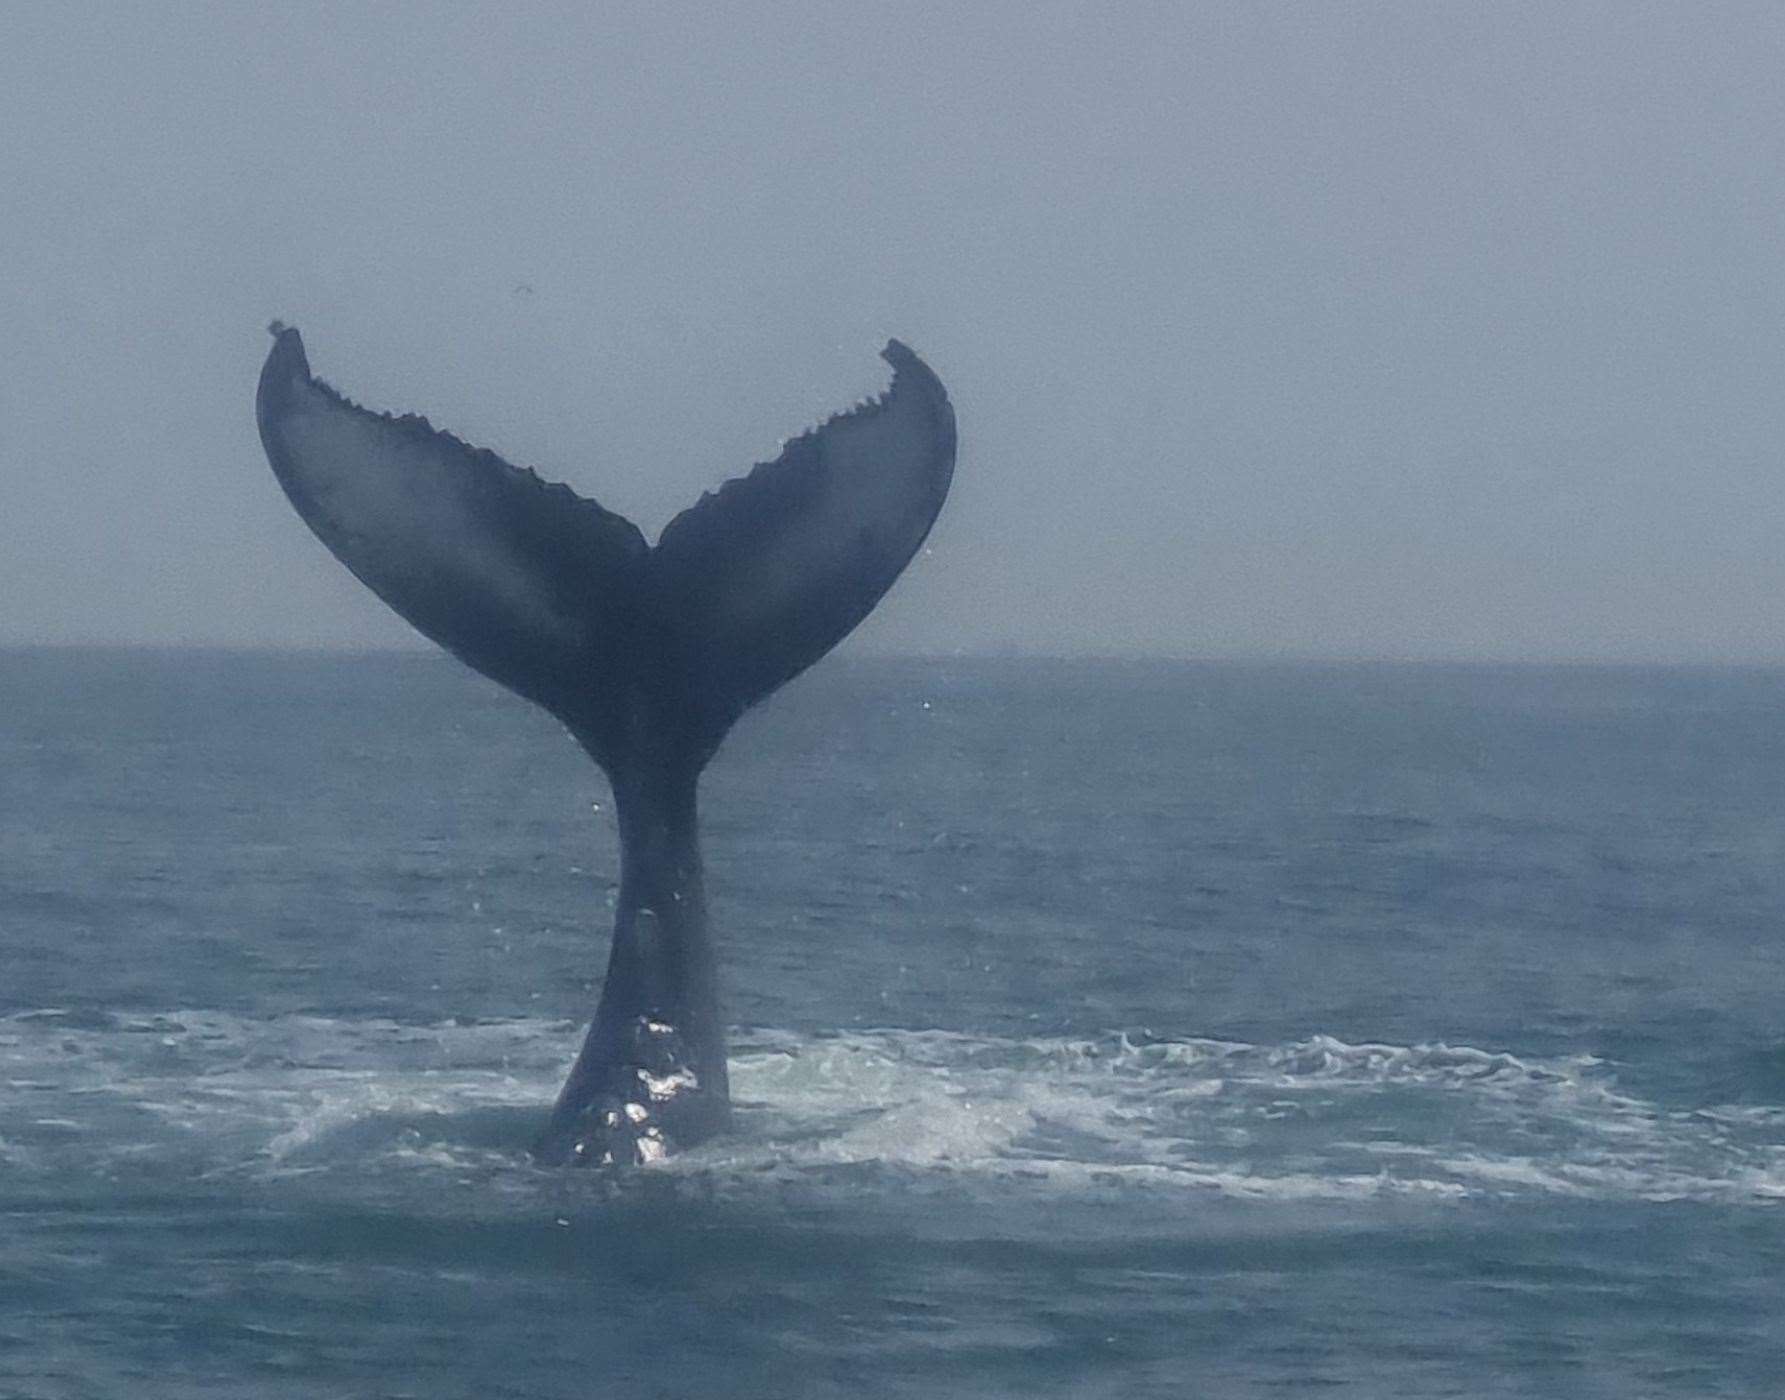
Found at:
<point>1407,330</point>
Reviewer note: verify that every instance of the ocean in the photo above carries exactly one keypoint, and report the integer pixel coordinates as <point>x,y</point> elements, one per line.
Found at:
<point>1102,1029</point>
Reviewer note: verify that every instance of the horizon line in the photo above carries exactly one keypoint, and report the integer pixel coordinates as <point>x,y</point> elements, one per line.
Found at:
<point>1212,656</point>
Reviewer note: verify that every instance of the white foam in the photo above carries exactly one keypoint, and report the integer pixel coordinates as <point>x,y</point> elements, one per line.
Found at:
<point>1313,1119</point>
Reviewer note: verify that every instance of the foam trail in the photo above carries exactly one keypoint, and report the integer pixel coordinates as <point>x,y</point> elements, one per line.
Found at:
<point>207,1093</point>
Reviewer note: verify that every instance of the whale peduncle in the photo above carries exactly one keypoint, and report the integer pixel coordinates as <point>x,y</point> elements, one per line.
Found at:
<point>651,1076</point>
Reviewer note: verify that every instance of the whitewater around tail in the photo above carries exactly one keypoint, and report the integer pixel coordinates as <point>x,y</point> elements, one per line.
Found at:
<point>194,1095</point>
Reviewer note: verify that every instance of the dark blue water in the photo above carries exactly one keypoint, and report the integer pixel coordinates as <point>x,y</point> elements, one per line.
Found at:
<point>1103,1030</point>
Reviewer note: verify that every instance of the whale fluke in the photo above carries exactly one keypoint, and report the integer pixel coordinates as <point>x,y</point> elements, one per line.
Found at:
<point>647,654</point>
<point>761,578</point>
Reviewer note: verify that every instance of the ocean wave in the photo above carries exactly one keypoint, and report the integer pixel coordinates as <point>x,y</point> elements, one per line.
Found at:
<point>202,1094</point>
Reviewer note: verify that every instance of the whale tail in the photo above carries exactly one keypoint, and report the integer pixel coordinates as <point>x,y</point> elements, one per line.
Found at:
<point>642,651</point>
<point>648,654</point>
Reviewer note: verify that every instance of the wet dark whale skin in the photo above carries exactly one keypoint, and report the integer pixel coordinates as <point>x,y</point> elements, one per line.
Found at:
<point>648,654</point>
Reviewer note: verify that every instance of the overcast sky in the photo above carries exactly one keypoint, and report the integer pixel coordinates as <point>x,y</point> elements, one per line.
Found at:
<point>1387,330</point>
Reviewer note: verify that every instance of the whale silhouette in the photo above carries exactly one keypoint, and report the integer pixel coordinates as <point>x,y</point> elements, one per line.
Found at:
<point>647,653</point>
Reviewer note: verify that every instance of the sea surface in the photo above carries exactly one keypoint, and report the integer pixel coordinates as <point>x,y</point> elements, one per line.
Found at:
<point>1101,1030</point>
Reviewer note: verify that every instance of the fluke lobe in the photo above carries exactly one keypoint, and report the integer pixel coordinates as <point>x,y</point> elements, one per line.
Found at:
<point>648,654</point>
